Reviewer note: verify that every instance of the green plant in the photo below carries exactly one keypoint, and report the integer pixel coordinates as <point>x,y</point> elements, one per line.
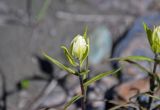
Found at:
<point>77,56</point>
<point>154,41</point>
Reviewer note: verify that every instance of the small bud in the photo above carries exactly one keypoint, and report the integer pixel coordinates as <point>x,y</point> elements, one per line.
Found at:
<point>78,47</point>
<point>153,38</point>
<point>156,40</point>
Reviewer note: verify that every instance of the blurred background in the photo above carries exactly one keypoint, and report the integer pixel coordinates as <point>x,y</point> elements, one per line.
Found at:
<point>30,27</point>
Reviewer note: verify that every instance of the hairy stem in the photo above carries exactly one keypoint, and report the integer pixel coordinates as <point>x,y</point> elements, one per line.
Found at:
<point>152,82</point>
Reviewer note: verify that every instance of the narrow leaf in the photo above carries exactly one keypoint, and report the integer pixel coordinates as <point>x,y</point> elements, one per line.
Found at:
<point>84,72</point>
<point>74,99</point>
<point>85,56</point>
<point>156,107</point>
<point>43,10</point>
<point>140,67</point>
<point>88,43</point>
<point>125,105</point>
<point>100,76</point>
<point>85,33</point>
<point>152,96</point>
<point>118,106</point>
<point>69,56</point>
<point>60,65</point>
<point>148,32</point>
<point>133,58</point>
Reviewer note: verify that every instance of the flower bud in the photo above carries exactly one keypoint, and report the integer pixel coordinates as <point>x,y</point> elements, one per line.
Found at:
<point>78,47</point>
<point>156,40</point>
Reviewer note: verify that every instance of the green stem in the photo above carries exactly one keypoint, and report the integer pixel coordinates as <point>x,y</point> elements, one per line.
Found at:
<point>152,82</point>
<point>83,93</point>
<point>83,105</point>
<point>86,78</point>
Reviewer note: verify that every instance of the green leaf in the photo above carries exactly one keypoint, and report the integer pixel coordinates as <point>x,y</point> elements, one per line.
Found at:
<point>60,65</point>
<point>85,33</point>
<point>140,67</point>
<point>133,58</point>
<point>84,72</point>
<point>25,84</point>
<point>88,46</point>
<point>88,43</point>
<point>71,48</point>
<point>69,56</point>
<point>125,105</point>
<point>152,96</point>
<point>84,56</point>
<point>74,99</point>
<point>156,107</point>
<point>43,10</point>
<point>148,32</point>
<point>86,53</point>
<point>100,76</point>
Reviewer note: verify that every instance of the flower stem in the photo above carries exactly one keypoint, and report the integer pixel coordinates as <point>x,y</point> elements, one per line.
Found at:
<point>83,105</point>
<point>152,82</point>
<point>83,93</point>
<point>86,78</point>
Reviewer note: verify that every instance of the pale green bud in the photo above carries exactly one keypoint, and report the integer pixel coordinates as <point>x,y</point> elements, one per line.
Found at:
<point>153,38</point>
<point>156,40</point>
<point>78,47</point>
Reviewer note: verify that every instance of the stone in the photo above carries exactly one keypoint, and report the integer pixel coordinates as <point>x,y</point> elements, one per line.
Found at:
<point>72,85</point>
<point>101,44</point>
<point>55,99</point>
<point>127,91</point>
<point>106,83</point>
<point>21,99</point>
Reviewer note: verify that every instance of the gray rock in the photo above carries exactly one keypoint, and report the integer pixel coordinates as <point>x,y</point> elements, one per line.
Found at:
<point>72,85</point>
<point>101,44</point>
<point>20,100</point>
<point>55,99</point>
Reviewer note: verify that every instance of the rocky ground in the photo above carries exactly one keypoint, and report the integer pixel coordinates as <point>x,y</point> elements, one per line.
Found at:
<point>26,31</point>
